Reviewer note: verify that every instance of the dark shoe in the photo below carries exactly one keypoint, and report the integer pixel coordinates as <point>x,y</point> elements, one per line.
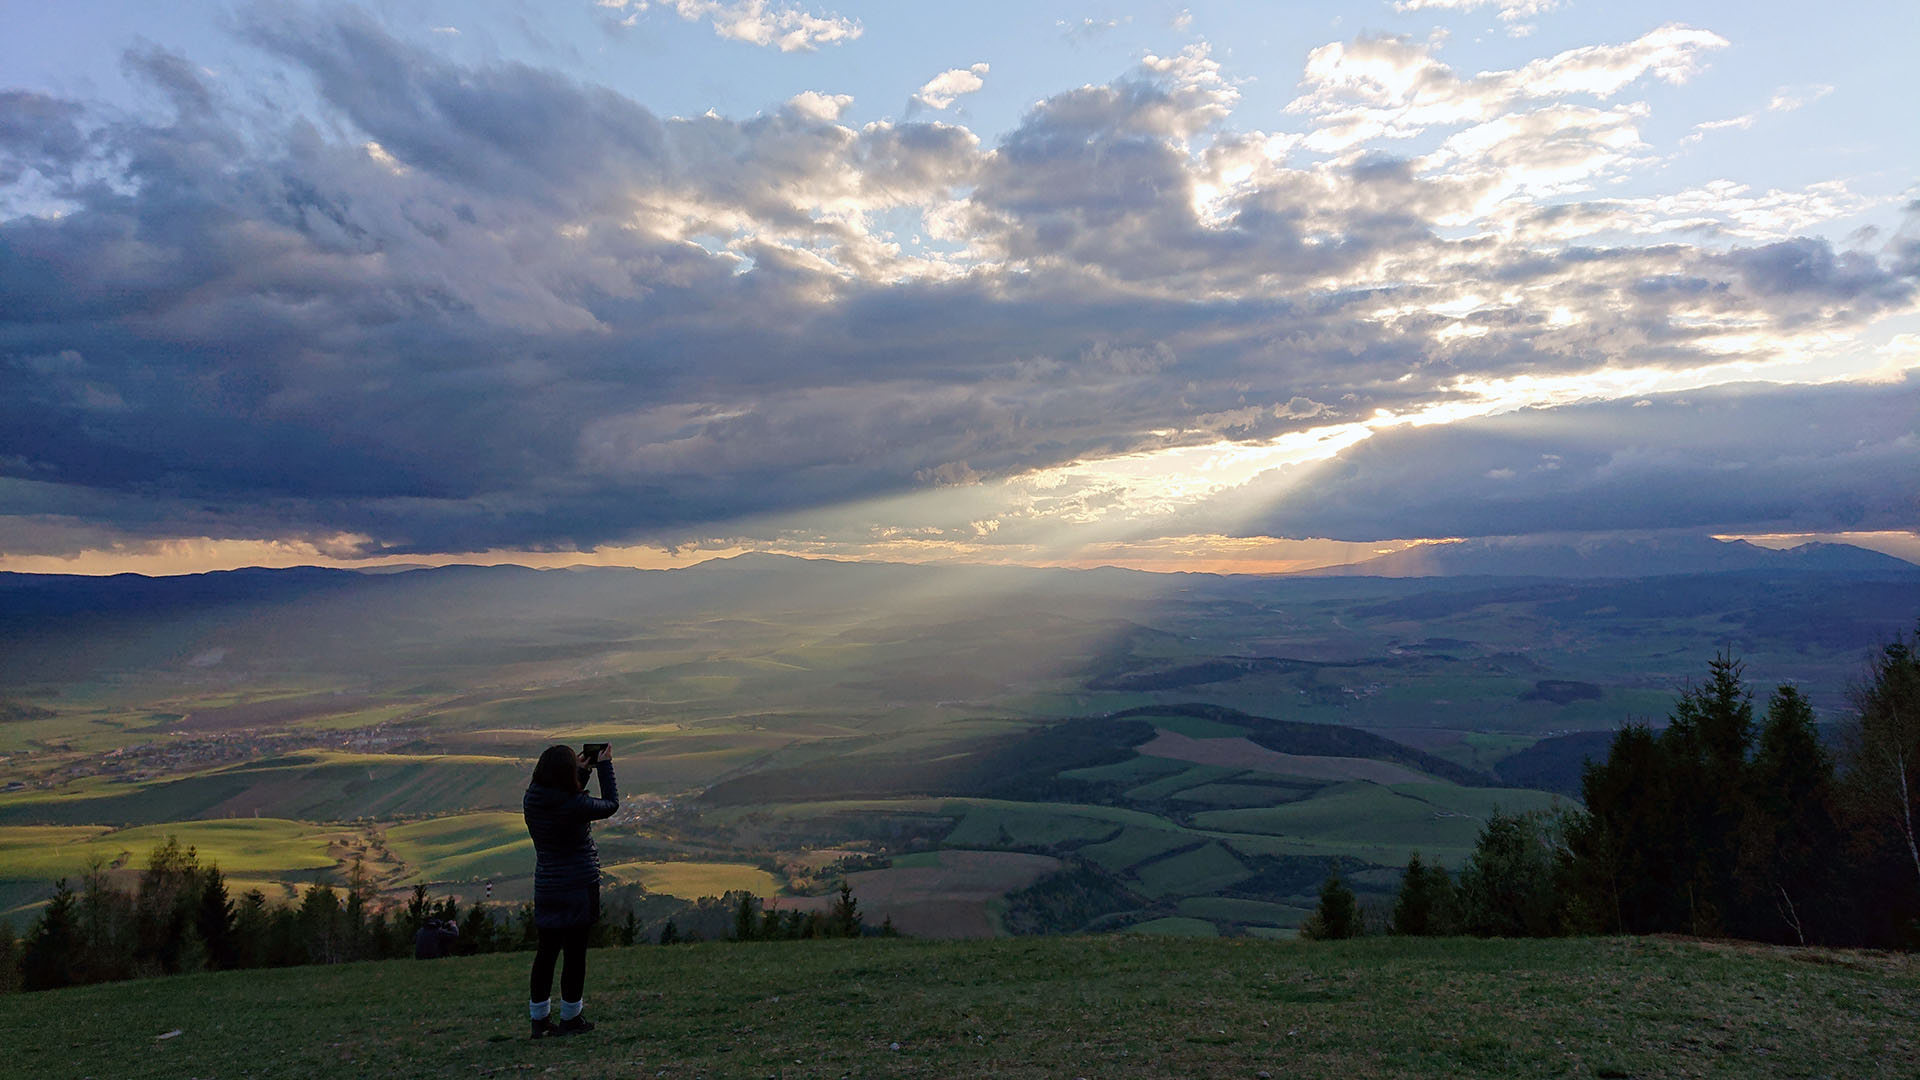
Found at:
<point>579,1025</point>
<point>545,1028</point>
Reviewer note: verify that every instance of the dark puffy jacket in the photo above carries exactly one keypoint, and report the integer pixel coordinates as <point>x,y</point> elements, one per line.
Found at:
<point>435,940</point>
<point>566,869</point>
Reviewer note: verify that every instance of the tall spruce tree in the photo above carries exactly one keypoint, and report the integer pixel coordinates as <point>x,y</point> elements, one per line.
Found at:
<point>1707,739</point>
<point>9,959</point>
<point>1789,840</point>
<point>1881,791</point>
<point>252,930</point>
<point>1631,852</point>
<point>745,918</point>
<point>1337,916</point>
<point>843,918</point>
<point>1425,904</point>
<point>46,961</point>
<point>214,919</point>
<point>322,925</point>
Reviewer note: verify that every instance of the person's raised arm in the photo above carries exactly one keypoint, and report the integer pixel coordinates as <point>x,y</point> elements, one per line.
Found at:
<point>608,803</point>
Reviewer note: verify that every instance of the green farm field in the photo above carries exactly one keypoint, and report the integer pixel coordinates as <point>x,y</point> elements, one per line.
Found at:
<point>243,847</point>
<point>465,847</point>
<point>311,785</point>
<point>788,714</point>
<point>692,880</point>
<point>1435,815</point>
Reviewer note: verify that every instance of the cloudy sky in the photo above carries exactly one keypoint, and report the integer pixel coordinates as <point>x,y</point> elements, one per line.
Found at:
<point>1209,286</point>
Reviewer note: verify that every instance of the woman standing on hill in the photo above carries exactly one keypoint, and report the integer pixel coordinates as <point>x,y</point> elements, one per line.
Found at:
<point>566,878</point>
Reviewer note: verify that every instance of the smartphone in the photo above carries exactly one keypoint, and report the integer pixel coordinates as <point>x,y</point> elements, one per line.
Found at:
<point>593,750</point>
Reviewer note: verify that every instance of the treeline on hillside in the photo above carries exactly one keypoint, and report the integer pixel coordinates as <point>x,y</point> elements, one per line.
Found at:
<point>1716,825</point>
<point>180,918</point>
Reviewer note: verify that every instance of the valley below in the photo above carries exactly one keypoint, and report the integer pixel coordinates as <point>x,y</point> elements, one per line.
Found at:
<point>978,751</point>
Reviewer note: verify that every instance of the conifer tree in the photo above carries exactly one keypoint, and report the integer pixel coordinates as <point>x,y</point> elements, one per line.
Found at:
<point>1790,840</point>
<point>1425,904</point>
<point>1507,888</point>
<point>214,919</point>
<point>252,926</point>
<point>319,925</point>
<point>1338,913</point>
<point>1632,850</point>
<point>745,918</point>
<point>46,961</point>
<point>419,910</point>
<point>1707,739</point>
<point>9,959</point>
<point>1881,790</point>
<point>843,918</point>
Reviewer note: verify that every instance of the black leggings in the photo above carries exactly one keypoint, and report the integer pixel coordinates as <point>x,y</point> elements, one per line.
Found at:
<point>573,977</point>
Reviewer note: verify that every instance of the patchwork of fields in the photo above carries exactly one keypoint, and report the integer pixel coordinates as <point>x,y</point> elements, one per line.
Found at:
<point>1236,843</point>
<point>979,750</point>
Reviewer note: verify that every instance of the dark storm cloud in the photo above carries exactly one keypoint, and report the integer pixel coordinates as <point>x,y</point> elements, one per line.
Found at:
<point>453,307</point>
<point>1806,271</point>
<point>1797,459</point>
<point>37,132</point>
<point>507,128</point>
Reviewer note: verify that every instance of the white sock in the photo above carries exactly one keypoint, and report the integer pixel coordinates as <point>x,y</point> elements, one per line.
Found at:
<point>539,1009</point>
<point>571,1009</point>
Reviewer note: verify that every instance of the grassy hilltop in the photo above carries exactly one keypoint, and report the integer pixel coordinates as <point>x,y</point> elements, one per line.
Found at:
<point>1111,1006</point>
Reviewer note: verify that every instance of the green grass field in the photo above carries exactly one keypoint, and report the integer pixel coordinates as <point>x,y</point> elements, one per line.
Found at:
<point>244,847</point>
<point>1202,870</point>
<point>692,880</point>
<point>1134,845</point>
<point>467,847</point>
<point>316,785</point>
<point>1035,823</point>
<point>1362,815</point>
<point>1127,1005</point>
<point>1176,926</point>
<point>1248,912</point>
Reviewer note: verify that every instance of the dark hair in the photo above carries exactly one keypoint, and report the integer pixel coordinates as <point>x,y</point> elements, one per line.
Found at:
<point>558,768</point>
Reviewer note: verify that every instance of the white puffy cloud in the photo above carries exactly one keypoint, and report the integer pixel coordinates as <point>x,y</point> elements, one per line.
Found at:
<point>756,22</point>
<point>1390,87</point>
<point>1508,10</point>
<point>945,88</point>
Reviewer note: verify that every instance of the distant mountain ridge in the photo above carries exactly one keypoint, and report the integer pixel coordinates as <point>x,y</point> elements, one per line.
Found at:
<point>1615,557</point>
<point>36,599</point>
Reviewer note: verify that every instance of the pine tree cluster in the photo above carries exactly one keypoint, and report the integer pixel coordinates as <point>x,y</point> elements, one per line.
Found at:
<point>1713,825</point>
